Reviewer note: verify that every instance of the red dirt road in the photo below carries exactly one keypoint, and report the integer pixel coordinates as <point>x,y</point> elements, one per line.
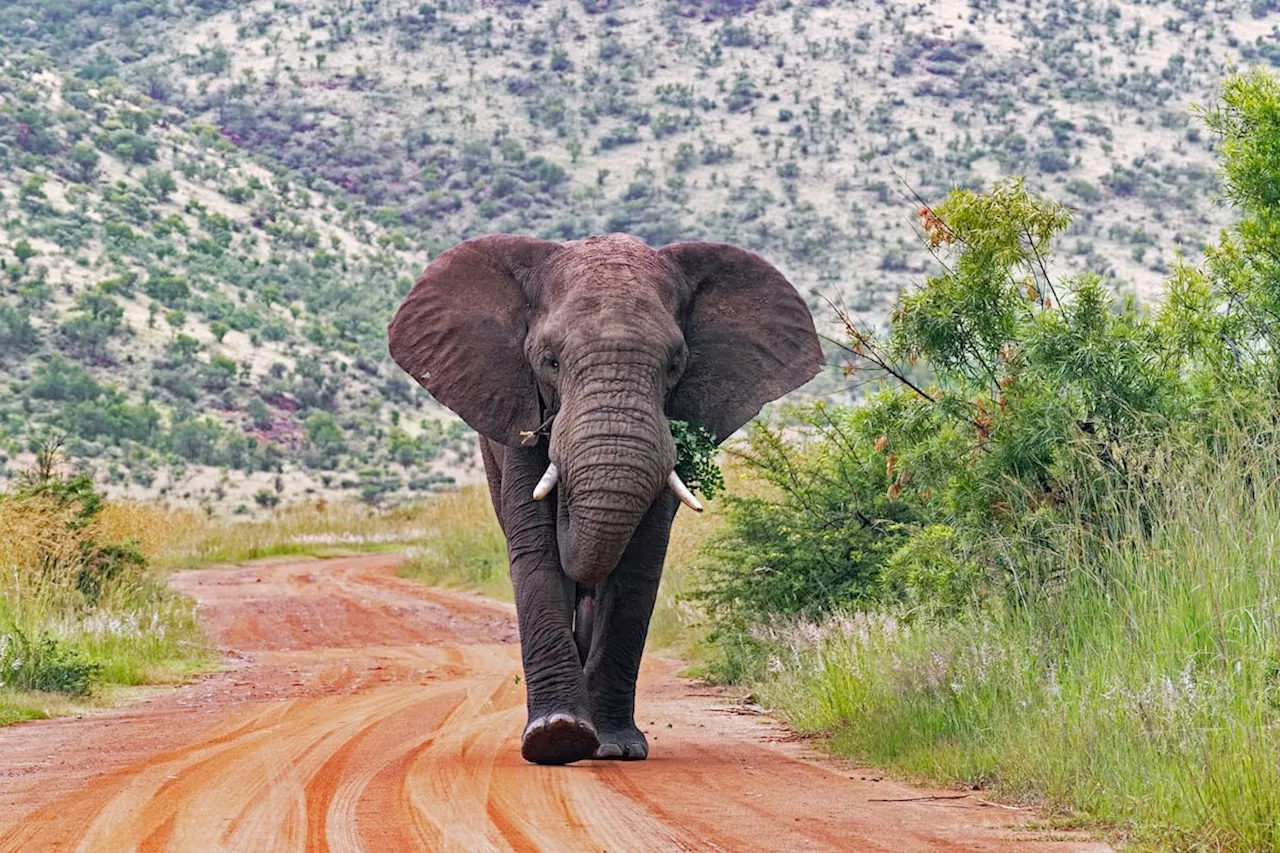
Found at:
<point>368,713</point>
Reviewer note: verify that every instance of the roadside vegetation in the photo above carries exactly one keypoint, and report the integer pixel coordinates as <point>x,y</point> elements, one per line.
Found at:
<point>81,613</point>
<point>1040,555</point>
<point>315,529</point>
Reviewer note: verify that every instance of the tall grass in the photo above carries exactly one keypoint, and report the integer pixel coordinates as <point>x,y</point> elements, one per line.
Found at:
<point>79,611</point>
<point>678,624</point>
<point>316,529</point>
<point>464,546</point>
<point>1143,690</point>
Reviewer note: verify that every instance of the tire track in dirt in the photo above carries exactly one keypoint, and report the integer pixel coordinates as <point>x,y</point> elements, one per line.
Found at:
<point>364,712</point>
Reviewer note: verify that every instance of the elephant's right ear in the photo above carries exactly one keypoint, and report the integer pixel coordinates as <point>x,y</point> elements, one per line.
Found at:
<point>460,333</point>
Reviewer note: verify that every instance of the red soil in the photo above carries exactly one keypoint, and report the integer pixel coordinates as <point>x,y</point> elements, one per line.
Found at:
<point>365,712</point>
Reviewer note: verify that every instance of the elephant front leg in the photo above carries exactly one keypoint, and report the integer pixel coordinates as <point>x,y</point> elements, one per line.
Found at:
<point>623,607</point>
<point>559,730</point>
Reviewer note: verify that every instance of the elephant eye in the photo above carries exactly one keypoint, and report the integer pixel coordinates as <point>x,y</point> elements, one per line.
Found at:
<point>551,361</point>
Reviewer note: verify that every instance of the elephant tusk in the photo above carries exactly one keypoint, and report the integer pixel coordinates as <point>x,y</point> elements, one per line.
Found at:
<point>547,483</point>
<point>682,491</point>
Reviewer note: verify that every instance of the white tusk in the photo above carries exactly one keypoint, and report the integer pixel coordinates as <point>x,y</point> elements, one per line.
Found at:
<point>682,491</point>
<point>547,483</point>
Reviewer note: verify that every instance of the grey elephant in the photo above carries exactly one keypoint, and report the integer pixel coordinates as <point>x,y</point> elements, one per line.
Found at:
<point>569,359</point>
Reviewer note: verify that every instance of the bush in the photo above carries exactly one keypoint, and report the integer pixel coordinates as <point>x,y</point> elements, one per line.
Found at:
<point>127,145</point>
<point>1138,691</point>
<point>1027,374</point>
<point>266,498</point>
<point>816,539</point>
<point>97,319</point>
<point>1030,557</point>
<point>1084,190</point>
<point>44,664</point>
<point>78,607</point>
<point>17,336</point>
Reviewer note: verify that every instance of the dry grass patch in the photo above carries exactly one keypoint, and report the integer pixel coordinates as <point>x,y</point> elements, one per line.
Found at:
<point>316,529</point>
<point>80,611</point>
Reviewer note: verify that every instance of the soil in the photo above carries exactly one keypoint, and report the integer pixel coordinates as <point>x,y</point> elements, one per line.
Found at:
<point>363,712</point>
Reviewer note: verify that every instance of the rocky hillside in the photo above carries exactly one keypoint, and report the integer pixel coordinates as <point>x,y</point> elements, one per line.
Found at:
<point>209,208</point>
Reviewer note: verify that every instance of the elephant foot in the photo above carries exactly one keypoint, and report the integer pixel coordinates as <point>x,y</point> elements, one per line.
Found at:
<point>625,744</point>
<point>558,738</point>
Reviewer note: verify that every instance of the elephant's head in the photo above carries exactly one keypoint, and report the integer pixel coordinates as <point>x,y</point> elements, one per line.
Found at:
<point>613,338</point>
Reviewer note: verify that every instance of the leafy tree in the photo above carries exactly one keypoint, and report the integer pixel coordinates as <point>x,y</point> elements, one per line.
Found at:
<point>160,183</point>
<point>24,251</point>
<point>1226,313</point>
<point>259,414</point>
<point>197,440</point>
<point>17,336</point>
<point>97,319</point>
<point>325,440</point>
<point>1001,390</point>
<point>1024,373</point>
<point>84,159</point>
<point>167,288</point>
<point>61,381</point>
<point>128,145</point>
<point>112,418</point>
<point>184,347</point>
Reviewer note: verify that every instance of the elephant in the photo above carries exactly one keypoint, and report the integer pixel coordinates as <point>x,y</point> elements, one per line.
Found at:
<point>569,359</point>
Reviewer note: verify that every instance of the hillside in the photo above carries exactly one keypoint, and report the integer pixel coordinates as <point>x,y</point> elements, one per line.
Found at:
<point>209,209</point>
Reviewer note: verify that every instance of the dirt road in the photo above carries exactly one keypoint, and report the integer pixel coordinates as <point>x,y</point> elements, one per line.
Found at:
<point>363,712</point>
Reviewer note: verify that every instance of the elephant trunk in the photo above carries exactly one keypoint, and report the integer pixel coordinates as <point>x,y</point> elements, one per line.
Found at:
<point>613,461</point>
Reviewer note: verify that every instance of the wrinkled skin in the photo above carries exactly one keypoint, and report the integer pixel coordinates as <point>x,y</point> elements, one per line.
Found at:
<point>606,339</point>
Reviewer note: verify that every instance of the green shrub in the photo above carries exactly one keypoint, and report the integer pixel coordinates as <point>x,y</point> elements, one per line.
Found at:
<point>1037,554</point>
<point>44,664</point>
<point>1140,690</point>
<point>17,336</point>
<point>78,607</point>
<point>696,458</point>
<point>1005,391</point>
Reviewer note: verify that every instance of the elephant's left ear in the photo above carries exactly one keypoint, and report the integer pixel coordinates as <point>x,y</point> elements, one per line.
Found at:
<point>750,337</point>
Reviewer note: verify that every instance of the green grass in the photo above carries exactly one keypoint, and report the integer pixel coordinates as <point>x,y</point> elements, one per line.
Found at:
<point>1143,692</point>
<point>317,529</point>
<point>19,706</point>
<point>464,549</point>
<point>60,658</point>
<point>63,648</point>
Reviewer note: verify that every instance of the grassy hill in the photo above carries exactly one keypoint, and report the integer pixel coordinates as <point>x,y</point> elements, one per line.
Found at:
<point>209,209</point>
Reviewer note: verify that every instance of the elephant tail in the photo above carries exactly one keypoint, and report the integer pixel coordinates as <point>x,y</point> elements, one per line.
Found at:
<point>584,620</point>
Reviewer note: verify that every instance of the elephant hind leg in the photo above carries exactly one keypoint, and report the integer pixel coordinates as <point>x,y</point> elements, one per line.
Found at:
<point>584,620</point>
